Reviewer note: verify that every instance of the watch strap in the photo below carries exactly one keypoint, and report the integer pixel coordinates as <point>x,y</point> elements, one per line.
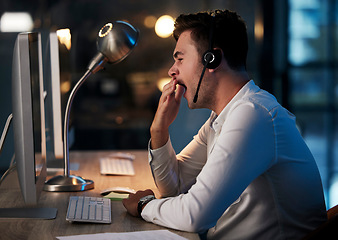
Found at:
<point>143,201</point>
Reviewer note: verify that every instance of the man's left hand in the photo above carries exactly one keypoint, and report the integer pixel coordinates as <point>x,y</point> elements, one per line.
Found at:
<point>131,203</point>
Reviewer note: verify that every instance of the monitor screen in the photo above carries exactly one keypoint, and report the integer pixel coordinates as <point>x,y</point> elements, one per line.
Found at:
<point>53,103</point>
<point>36,103</point>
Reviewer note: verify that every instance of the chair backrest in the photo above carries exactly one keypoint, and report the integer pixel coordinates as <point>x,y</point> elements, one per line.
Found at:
<point>332,212</point>
<point>327,230</point>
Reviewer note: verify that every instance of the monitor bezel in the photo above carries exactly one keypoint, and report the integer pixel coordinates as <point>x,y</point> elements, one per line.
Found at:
<point>31,184</point>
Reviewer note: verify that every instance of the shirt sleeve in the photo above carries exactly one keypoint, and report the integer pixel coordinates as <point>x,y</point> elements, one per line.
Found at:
<point>175,174</point>
<point>243,150</point>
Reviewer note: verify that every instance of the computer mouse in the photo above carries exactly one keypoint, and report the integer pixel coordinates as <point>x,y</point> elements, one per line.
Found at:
<point>117,190</point>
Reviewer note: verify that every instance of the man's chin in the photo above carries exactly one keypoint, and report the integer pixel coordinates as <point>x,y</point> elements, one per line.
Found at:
<point>192,105</point>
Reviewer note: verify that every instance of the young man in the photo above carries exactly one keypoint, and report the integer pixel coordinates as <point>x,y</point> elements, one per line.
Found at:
<point>247,174</point>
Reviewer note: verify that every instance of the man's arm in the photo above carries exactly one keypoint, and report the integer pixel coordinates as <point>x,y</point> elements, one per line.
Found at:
<point>243,151</point>
<point>166,113</point>
<point>175,174</point>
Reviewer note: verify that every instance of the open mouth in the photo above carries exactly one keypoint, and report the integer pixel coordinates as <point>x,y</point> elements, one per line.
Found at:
<point>185,87</point>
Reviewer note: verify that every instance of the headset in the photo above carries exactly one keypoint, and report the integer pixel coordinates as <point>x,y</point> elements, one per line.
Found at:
<point>211,59</point>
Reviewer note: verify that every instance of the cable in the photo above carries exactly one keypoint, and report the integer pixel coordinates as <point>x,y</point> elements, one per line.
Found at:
<point>5,131</point>
<point>12,165</point>
<point>9,170</point>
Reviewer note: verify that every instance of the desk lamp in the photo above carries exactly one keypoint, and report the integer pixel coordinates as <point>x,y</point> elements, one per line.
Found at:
<point>114,42</point>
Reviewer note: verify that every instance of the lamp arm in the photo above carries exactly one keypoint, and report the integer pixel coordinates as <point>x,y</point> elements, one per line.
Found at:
<point>95,65</point>
<point>66,120</point>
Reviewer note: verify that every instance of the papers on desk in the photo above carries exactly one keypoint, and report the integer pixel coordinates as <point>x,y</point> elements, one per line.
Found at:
<point>146,235</point>
<point>117,196</point>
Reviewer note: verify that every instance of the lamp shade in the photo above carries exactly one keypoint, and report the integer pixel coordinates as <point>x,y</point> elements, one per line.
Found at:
<point>116,40</point>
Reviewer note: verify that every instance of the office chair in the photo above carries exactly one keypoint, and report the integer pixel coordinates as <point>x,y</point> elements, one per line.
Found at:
<point>329,229</point>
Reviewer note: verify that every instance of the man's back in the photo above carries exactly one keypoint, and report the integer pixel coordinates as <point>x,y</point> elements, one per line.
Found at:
<point>287,199</point>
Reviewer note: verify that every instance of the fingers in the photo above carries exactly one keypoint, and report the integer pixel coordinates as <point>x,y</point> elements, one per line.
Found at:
<point>168,90</point>
<point>172,90</point>
<point>170,86</point>
<point>179,93</point>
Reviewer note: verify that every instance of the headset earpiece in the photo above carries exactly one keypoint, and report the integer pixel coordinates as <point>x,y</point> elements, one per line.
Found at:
<point>212,58</point>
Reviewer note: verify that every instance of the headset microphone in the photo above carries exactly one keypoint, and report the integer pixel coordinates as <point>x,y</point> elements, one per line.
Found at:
<point>199,82</point>
<point>211,58</point>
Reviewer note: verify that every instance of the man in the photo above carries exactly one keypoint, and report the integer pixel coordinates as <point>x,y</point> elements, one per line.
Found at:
<point>247,174</point>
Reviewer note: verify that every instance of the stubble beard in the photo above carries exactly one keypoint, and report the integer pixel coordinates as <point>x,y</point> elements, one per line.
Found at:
<point>205,95</point>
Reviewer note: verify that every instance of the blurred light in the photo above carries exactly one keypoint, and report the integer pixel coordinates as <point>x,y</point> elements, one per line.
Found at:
<point>150,21</point>
<point>119,120</point>
<point>259,30</point>
<point>162,82</point>
<point>65,37</point>
<point>164,26</point>
<point>16,22</point>
<point>109,86</point>
<point>65,87</point>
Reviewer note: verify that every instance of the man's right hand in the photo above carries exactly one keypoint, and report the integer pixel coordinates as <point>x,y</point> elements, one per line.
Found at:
<point>166,113</point>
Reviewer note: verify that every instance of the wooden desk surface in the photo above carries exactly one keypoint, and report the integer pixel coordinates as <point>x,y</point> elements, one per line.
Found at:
<point>10,196</point>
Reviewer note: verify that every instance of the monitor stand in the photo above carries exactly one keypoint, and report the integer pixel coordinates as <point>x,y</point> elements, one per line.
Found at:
<point>32,213</point>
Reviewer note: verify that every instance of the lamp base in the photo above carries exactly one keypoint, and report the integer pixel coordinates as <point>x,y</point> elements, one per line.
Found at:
<point>69,183</point>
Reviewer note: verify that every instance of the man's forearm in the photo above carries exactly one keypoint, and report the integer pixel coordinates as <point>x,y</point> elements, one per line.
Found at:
<point>158,137</point>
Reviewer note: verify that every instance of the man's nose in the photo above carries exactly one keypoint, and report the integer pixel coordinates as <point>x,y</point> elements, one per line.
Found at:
<point>172,71</point>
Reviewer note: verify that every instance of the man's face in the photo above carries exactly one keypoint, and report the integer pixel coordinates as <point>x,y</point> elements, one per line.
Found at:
<point>187,67</point>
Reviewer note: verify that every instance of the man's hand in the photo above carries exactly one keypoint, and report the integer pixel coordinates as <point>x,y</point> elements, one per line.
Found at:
<point>131,203</point>
<point>166,113</point>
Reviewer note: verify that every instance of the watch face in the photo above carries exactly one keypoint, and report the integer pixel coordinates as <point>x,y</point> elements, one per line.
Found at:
<point>143,199</point>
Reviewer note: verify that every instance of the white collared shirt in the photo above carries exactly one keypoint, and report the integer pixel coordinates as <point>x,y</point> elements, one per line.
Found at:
<point>247,174</point>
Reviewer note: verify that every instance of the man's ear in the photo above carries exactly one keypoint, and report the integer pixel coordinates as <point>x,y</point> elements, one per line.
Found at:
<point>219,59</point>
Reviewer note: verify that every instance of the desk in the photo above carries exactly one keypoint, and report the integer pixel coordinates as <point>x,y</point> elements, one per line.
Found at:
<point>10,196</point>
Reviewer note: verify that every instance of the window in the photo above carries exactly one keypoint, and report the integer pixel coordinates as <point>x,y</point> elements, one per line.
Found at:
<point>312,74</point>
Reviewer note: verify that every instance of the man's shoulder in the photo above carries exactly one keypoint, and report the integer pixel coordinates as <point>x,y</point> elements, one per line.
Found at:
<point>260,98</point>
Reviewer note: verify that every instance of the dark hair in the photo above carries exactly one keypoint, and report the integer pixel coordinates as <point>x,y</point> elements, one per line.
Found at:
<point>229,34</point>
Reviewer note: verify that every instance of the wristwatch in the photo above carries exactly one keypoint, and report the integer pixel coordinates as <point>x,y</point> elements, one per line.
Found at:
<point>143,201</point>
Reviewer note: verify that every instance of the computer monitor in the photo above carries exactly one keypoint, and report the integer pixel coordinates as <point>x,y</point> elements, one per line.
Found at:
<point>29,125</point>
<point>53,103</point>
<point>28,115</point>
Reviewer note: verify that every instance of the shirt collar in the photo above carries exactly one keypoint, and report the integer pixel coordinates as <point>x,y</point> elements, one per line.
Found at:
<point>217,121</point>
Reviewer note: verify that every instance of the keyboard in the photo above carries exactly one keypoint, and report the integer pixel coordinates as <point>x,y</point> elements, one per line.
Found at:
<point>89,209</point>
<point>116,166</point>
